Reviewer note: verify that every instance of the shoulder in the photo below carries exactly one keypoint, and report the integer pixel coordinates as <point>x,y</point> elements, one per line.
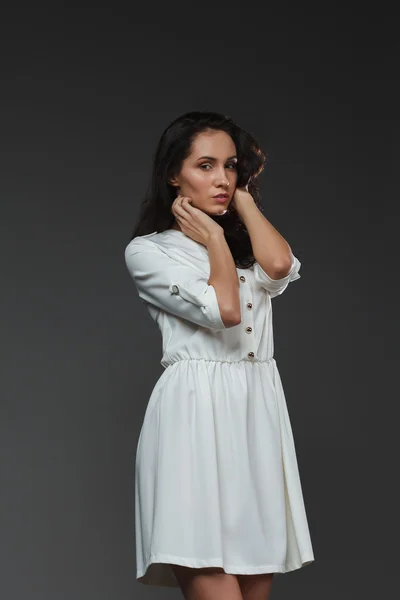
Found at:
<point>142,242</point>
<point>154,248</point>
<point>172,243</point>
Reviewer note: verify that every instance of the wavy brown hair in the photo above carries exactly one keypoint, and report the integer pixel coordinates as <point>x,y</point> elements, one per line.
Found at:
<point>173,148</point>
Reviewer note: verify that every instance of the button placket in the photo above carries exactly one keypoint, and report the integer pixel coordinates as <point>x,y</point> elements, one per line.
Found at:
<point>248,328</point>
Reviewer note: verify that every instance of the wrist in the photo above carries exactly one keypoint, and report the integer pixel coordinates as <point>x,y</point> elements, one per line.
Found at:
<point>215,236</point>
<point>244,206</point>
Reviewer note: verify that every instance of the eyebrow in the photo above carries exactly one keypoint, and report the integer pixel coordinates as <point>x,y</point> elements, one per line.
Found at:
<point>212,157</point>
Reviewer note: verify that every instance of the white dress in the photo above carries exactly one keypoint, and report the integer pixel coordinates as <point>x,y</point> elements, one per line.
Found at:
<point>216,479</point>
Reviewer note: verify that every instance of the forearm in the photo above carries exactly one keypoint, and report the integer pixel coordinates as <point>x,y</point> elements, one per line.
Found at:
<point>270,248</point>
<point>224,278</point>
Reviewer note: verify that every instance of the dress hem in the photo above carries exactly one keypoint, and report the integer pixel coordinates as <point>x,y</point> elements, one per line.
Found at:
<point>144,577</point>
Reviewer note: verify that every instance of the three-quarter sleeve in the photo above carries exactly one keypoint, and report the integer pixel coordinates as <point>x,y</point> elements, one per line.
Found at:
<point>277,286</point>
<point>171,286</point>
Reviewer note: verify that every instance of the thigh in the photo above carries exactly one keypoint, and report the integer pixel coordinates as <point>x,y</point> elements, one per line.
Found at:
<point>256,587</point>
<point>209,583</point>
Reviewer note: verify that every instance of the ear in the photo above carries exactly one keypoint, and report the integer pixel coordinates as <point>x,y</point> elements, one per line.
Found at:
<point>173,181</point>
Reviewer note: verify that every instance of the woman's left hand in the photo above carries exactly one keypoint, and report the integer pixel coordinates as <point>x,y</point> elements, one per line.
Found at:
<point>240,197</point>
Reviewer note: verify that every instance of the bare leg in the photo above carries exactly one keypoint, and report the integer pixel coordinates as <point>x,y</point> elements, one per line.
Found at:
<point>211,583</point>
<point>256,587</point>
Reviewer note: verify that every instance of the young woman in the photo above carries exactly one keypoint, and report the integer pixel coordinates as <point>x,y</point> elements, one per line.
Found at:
<point>218,500</point>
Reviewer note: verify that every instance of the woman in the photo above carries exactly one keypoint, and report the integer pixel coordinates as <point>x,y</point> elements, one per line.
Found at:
<point>218,499</point>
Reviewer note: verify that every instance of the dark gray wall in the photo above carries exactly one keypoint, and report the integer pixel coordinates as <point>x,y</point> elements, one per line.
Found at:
<point>85,96</point>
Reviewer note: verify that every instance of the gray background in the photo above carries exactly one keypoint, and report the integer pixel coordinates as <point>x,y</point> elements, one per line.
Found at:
<point>85,96</point>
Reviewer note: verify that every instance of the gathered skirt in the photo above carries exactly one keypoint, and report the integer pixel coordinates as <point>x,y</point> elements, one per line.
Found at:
<point>216,475</point>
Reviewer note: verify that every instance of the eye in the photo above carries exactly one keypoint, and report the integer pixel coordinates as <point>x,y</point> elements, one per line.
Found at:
<point>233,165</point>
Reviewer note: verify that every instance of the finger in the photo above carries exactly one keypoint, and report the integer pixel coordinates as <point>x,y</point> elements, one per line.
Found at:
<point>176,202</point>
<point>187,210</point>
<point>181,202</point>
<point>181,210</point>
<point>187,204</point>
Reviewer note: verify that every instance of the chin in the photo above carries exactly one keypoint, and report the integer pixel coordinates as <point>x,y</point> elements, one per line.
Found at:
<point>220,211</point>
<point>215,211</point>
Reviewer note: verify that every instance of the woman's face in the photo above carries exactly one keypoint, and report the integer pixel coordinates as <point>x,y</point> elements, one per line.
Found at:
<point>208,171</point>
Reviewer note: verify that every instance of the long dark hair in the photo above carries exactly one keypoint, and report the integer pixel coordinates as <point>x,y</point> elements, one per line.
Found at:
<point>173,148</point>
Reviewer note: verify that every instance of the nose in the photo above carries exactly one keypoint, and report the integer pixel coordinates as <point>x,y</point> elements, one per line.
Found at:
<point>221,179</point>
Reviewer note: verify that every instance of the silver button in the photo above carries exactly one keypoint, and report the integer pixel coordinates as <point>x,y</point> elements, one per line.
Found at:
<point>249,329</point>
<point>242,278</point>
<point>175,289</point>
<point>249,305</point>
<point>250,354</point>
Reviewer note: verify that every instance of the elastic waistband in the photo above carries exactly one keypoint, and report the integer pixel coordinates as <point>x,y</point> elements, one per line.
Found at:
<point>213,360</point>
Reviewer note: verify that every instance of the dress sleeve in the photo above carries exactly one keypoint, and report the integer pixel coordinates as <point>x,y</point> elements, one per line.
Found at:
<point>171,286</point>
<point>275,287</point>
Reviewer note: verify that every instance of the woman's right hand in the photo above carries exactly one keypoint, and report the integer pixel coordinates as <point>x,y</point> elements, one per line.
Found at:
<point>194,223</point>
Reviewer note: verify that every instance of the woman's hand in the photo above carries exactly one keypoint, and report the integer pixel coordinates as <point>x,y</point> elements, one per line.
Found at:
<point>194,223</point>
<point>241,197</point>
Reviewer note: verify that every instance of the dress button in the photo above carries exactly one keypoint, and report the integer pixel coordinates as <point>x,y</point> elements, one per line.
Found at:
<point>175,289</point>
<point>242,278</point>
<point>249,329</point>
<point>249,305</point>
<point>250,354</point>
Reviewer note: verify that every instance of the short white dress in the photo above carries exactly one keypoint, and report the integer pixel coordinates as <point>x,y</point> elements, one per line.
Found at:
<point>216,474</point>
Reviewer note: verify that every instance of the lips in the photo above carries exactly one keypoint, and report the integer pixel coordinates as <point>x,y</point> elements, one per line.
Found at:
<point>222,196</point>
